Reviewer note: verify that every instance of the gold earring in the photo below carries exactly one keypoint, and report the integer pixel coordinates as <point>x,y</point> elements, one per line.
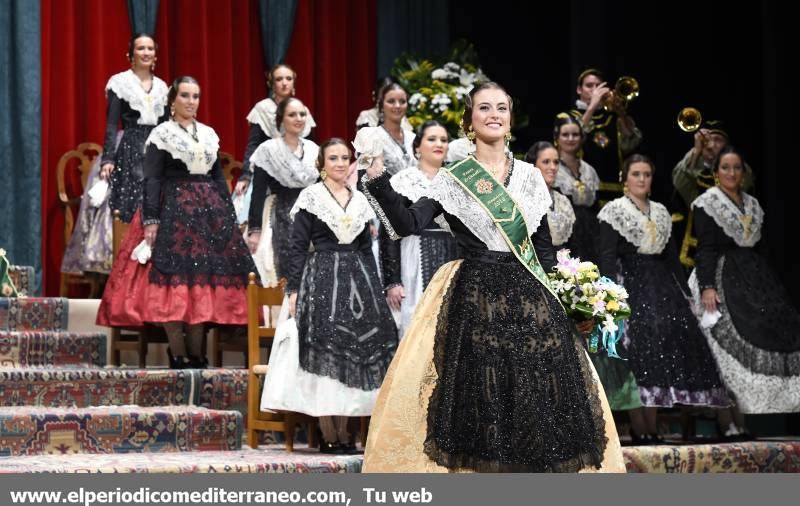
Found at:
<point>323,175</point>
<point>508,136</point>
<point>625,188</point>
<point>716,180</point>
<point>471,134</point>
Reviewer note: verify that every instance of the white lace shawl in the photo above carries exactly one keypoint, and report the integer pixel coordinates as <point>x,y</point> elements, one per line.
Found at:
<point>459,149</point>
<point>582,192</point>
<point>276,158</point>
<point>198,156</point>
<point>744,229</point>
<point>263,115</point>
<point>649,235</point>
<point>393,157</point>
<point>150,106</point>
<point>371,118</point>
<point>560,219</point>
<point>413,184</point>
<point>346,224</point>
<point>526,186</point>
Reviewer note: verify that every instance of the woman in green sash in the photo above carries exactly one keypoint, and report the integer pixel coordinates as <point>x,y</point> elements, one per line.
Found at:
<point>490,376</point>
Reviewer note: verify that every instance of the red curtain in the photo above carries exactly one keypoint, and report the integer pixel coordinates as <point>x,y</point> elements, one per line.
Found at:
<point>333,50</point>
<point>83,43</point>
<point>219,43</point>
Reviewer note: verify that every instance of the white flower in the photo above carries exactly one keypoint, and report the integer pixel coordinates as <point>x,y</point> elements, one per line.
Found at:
<point>609,325</point>
<point>440,101</point>
<point>461,91</point>
<point>417,99</point>
<point>439,74</point>
<point>452,67</point>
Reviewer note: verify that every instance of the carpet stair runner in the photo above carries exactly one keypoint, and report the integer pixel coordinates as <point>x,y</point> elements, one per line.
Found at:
<point>117,429</point>
<point>23,277</point>
<point>52,348</point>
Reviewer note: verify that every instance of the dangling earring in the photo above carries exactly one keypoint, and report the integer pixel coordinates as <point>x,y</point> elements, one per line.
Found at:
<point>323,175</point>
<point>508,137</point>
<point>172,111</point>
<point>380,116</point>
<point>471,134</point>
<point>625,188</point>
<point>153,66</point>
<point>716,180</point>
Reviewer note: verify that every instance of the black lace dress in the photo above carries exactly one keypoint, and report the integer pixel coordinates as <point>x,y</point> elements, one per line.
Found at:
<point>667,352</point>
<point>514,389</point>
<point>757,339</point>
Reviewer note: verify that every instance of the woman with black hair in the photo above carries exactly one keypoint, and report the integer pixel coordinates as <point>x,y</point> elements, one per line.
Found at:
<point>183,264</point>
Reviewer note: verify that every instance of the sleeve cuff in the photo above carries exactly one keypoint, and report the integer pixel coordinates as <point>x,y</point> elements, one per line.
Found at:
<point>151,221</point>
<point>253,230</point>
<point>389,287</point>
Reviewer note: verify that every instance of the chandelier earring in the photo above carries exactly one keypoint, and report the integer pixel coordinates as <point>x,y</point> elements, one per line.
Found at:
<point>508,137</point>
<point>471,134</point>
<point>716,180</point>
<point>323,175</point>
<point>625,189</point>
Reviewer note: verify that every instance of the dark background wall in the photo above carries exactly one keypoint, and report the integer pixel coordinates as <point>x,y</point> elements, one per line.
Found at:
<point>731,64</point>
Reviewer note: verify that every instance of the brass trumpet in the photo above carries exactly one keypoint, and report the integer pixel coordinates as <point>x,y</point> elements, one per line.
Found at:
<point>626,89</point>
<point>689,119</point>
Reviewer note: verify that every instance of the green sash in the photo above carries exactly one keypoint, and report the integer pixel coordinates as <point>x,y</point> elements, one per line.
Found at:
<point>500,205</point>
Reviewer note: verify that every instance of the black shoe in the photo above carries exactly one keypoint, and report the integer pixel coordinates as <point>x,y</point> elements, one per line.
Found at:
<point>179,362</point>
<point>197,363</point>
<point>655,439</point>
<point>642,440</point>
<point>332,448</point>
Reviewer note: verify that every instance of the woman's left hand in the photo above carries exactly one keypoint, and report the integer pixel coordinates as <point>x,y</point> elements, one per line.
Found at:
<point>292,304</point>
<point>150,232</point>
<point>395,296</point>
<point>585,327</point>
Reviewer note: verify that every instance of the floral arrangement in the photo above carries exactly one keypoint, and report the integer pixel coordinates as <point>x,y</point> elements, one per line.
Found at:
<point>7,288</point>
<point>588,296</point>
<point>438,89</point>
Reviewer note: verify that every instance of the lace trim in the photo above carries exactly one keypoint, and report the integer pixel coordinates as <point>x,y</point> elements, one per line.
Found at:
<point>560,219</point>
<point>744,229</point>
<point>459,149</point>
<point>393,157</point>
<point>725,335</point>
<point>649,235</point>
<point>263,115</point>
<point>526,186</point>
<point>276,158</point>
<point>371,118</point>
<point>411,183</point>
<point>376,206</point>
<point>197,156</point>
<point>346,224</point>
<point>583,191</point>
<point>150,106</point>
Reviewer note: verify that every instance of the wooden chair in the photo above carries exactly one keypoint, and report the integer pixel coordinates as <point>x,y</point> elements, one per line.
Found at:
<point>85,155</point>
<point>135,339</point>
<point>257,337</point>
<point>231,167</point>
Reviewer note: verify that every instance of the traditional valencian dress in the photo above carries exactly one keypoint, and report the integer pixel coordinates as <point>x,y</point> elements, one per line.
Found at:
<point>667,354</point>
<point>281,174</point>
<point>198,269</point>
<point>560,219</point>
<point>582,192</point>
<point>756,341</point>
<point>413,260</point>
<point>490,375</point>
<point>332,357</point>
<point>138,111</point>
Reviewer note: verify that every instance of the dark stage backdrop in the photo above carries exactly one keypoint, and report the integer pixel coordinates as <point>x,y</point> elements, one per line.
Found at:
<point>219,42</point>
<point>732,64</point>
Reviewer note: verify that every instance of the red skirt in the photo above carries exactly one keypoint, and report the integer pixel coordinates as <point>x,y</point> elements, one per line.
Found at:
<point>131,299</point>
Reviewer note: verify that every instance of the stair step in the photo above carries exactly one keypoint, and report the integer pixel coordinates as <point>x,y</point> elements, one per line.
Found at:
<point>34,313</point>
<point>48,348</point>
<point>70,387</point>
<point>117,429</point>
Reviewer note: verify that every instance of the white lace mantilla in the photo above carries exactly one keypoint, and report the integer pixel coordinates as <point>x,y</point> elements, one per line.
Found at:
<point>197,156</point>
<point>583,191</point>
<point>526,186</point>
<point>150,106</point>
<point>743,228</point>
<point>263,115</point>
<point>276,158</point>
<point>560,219</point>
<point>394,159</point>
<point>346,224</point>
<point>413,184</point>
<point>649,235</point>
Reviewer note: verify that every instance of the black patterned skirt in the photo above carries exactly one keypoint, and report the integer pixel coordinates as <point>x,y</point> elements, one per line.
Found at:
<point>282,229</point>
<point>345,327</point>
<point>515,390</point>
<point>127,176</point>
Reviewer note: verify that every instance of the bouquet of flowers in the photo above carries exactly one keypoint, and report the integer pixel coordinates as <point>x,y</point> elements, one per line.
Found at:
<point>588,296</point>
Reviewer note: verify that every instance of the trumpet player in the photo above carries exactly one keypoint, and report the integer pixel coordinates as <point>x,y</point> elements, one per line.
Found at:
<point>610,133</point>
<point>693,174</point>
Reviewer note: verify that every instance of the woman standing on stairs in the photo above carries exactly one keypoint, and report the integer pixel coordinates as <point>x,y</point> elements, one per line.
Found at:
<point>197,272</point>
<point>346,337</point>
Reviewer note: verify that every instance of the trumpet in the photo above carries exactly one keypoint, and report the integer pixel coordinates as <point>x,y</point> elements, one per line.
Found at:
<point>625,90</point>
<point>689,119</point>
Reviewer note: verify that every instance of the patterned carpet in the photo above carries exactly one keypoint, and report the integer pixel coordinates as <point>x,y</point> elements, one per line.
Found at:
<point>34,313</point>
<point>117,429</point>
<point>266,459</point>
<point>23,277</point>
<point>748,457</point>
<point>65,349</point>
